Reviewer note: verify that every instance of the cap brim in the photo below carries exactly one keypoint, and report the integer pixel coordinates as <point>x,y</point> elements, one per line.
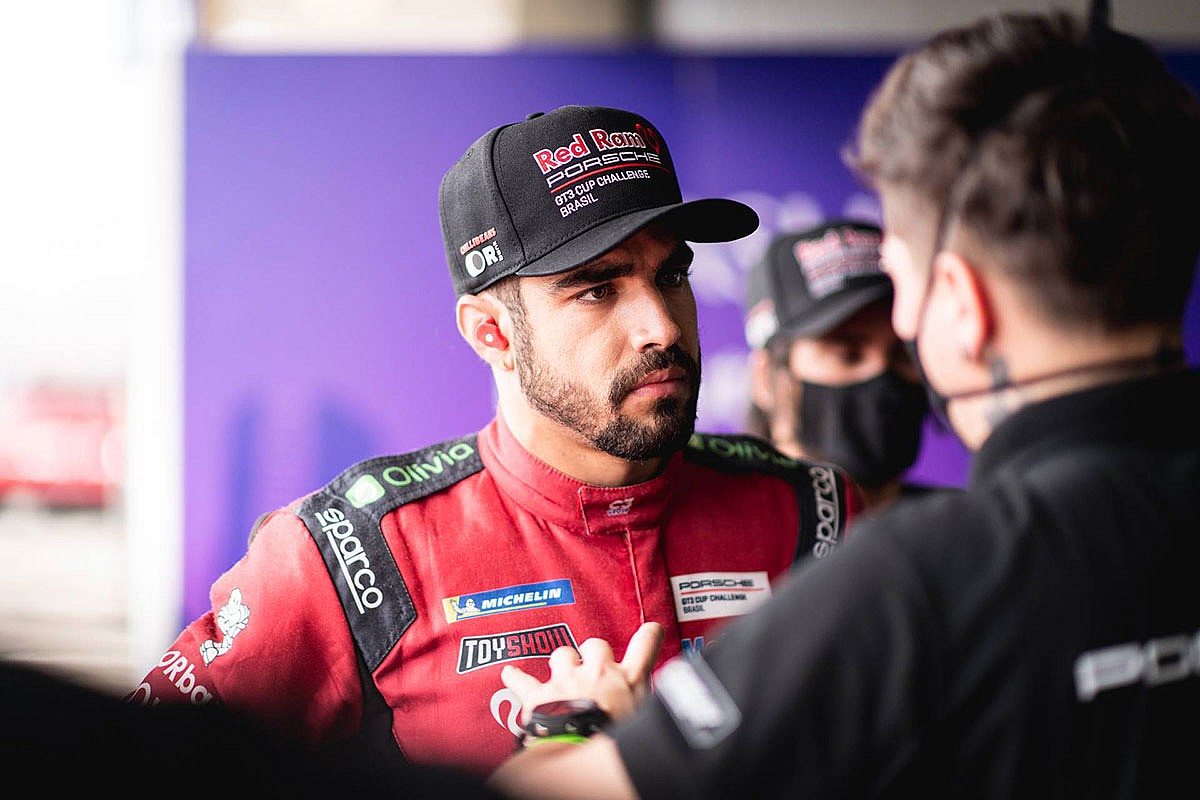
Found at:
<point>827,314</point>
<point>708,220</point>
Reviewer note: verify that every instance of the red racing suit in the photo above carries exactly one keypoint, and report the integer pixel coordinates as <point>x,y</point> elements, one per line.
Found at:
<point>384,605</point>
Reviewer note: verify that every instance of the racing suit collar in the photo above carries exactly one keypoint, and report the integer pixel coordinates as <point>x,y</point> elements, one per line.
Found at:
<point>545,492</point>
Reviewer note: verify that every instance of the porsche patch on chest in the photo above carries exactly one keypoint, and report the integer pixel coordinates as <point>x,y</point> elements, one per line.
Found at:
<point>708,595</point>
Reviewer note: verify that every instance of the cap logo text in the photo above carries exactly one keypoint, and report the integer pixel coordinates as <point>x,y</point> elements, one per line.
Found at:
<point>828,262</point>
<point>475,241</point>
<point>552,159</point>
<point>479,260</point>
<point>606,140</point>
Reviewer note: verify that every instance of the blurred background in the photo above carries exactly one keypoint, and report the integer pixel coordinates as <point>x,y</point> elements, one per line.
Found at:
<point>223,274</point>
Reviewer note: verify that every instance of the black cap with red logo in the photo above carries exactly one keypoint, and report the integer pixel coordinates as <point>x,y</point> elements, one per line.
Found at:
<point>555,191</point>
<point>809,282</point>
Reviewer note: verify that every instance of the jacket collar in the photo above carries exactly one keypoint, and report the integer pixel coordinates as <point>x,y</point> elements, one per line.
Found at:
<point>560,499</point>
<point>1158,411</point>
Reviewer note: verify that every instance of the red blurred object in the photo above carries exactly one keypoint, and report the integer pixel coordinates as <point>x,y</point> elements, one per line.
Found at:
<point>61,446</point>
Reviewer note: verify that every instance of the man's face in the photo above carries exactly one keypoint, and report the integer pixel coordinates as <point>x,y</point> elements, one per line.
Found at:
<point>907,252</point>
<point>610,350</point>
<point>857,350</point>
<point>860,349</point>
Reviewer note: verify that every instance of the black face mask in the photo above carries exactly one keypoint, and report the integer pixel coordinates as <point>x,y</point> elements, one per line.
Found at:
<point>870,429</point>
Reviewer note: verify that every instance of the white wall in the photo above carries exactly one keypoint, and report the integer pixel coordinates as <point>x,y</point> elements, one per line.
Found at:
<point>90,211</point>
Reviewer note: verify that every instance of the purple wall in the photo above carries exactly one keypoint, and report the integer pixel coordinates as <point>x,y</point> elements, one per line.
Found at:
<point>318,308</point>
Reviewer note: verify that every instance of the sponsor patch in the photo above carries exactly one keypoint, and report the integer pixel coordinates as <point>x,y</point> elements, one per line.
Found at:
<point>475,652</point>
<point>837,257</point>
<point>231,620</point>
<point>510,598</point>
<point>701,707</point>
<point>352,560</point>
<point>179,672</point>
<point>824,486</point>
<point>706,595</point>
<point>364,491</point>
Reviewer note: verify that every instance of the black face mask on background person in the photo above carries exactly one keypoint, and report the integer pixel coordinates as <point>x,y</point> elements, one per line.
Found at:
<point>871,429</point>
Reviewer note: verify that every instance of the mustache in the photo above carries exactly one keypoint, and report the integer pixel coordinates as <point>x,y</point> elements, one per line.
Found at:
<point>652,361</point>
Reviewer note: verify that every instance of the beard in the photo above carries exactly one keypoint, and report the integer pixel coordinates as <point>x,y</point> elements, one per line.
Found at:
<point>601,421</point>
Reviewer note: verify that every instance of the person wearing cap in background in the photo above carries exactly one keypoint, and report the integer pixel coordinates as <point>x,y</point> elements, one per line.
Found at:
<point>381,609</point>
<point>1038,634</point>
<point>829,378</point>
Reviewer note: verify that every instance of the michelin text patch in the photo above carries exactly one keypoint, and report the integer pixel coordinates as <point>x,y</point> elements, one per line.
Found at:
<point>510,598</point>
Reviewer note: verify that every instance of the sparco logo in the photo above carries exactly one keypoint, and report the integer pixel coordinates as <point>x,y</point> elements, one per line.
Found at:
<point>825,496</point>
<point>354,562</point>
<point>484,651</point>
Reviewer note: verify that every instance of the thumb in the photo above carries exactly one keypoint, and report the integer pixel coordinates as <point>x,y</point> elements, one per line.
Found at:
<point>642,652</point>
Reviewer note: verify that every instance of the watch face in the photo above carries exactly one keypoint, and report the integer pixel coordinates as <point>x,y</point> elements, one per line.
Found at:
<point>580,717</point>
<point>562,708</point>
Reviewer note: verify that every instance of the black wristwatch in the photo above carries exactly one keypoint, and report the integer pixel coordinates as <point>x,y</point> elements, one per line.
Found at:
<point>568,719</point>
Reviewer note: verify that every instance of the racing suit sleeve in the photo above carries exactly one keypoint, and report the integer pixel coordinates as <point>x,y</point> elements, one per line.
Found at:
<point>275,645</point>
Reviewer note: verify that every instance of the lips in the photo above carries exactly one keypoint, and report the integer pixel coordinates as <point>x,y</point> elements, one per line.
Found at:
<point>658,374</point>
<point>661,383</point>
<point>661,376</point>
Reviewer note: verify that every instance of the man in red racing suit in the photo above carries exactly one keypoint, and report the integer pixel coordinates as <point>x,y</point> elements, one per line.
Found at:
<point>380,610</point>
<point>507,562</point>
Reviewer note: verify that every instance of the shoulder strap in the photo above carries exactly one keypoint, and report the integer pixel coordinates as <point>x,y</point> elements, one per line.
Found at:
<point>821,489</point>
<point>344,518</point>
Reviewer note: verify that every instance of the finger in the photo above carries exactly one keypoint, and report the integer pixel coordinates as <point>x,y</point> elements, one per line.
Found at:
<point>563,660</point>
<point>596,651</point>
<point>642,652</point>
<point>519,681</point>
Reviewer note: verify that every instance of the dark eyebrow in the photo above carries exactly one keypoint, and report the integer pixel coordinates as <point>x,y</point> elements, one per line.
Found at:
<point>590,275</point>
<point>597,273</point>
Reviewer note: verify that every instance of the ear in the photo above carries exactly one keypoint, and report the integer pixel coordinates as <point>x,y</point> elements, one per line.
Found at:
<point>759,363</point>
<point>481,321</point>
<point>974,320</point>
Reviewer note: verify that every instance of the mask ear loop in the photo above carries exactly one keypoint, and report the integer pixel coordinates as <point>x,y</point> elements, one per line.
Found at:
<point>938,402</point>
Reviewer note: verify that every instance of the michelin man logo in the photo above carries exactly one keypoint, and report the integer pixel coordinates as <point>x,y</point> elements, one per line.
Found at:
<point>231,620</point>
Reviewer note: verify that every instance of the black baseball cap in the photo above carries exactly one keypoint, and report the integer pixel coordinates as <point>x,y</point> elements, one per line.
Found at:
<point>809,282</point>
<point>555,191</point>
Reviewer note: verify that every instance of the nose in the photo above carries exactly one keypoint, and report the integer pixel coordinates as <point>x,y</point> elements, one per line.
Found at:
<point>653,322</point>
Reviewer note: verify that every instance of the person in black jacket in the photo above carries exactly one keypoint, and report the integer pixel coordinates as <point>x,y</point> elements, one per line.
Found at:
<point>1037,635</point>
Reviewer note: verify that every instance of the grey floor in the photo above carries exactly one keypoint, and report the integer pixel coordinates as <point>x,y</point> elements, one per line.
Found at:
<point>62,597</point>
